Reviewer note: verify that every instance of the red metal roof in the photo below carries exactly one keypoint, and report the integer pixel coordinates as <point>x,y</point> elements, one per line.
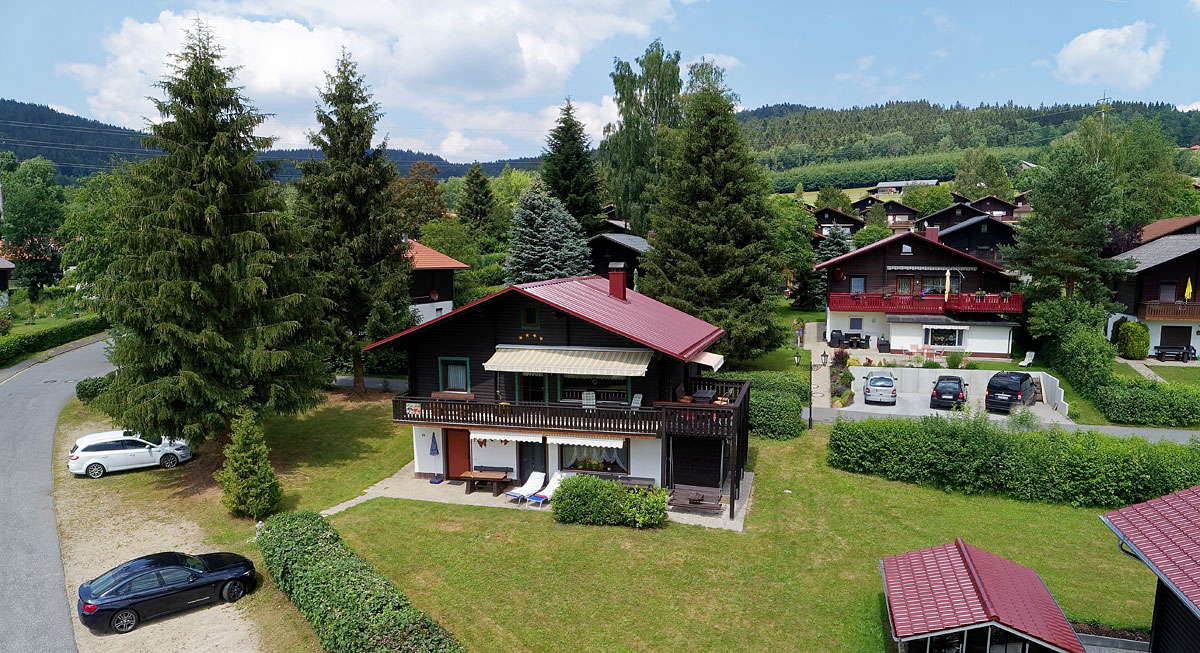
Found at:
<point>1165,534</point>
<point>427,258</point>
<point>907,234</point>
<point>637,317</point>
<point>1160,228</point>
<point>955,586</point>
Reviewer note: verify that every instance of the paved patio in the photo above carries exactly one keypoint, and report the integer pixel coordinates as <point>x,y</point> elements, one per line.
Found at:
<point>402,485</point>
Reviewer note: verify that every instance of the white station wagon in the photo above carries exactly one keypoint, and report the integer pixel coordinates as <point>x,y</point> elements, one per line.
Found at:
<point>100,453</point>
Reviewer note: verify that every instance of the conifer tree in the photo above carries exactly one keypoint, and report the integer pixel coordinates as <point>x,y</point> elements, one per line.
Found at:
<point>876,215</point>
<point>836,243</point>
<point>569,172</point>
<point>830,197</point>
<point>214,305</point>
<point>477,205</point>
<point>362,259</point>
<point>250,486</point>
<point>712,256</point>
<point>546,242</point>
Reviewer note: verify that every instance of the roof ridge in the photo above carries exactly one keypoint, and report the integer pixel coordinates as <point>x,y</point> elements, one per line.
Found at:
<point>976,582</point>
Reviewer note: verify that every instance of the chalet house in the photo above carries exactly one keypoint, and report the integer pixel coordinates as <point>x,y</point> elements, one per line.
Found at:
<point>6,268</point>
<point>949,216</point>
<point>956,597</point>
<point>431,289</point>
<point>816,239</point>
<point>900,217</point>
<point>1024,208</point>
<point>898,187</point>
<point>863,205</point>
<point>1155,292</point>
<point>959,197</point>
<point>981,236</point>
<point>613,222</point>
<point>1188,224</point>
<point>580,375</point>
<point>995,207</point>
<point>829,216</point>
<point>607,249</point>
<point>913,290</point>
<point>1164,534</point>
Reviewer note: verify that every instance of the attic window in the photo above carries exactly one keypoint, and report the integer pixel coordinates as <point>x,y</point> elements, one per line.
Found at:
<point>530,318</point>
<point>957,211</point>
<point>906,250</point>
<point>983,228</point>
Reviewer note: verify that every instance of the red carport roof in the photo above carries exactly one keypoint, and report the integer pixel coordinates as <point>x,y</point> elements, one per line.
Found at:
<point>956,586</point>
<point>637,317</point>
<point>428,258</point>
<point>1165,534</point>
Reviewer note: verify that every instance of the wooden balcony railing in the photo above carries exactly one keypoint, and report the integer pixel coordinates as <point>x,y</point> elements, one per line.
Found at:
<point>1184,311</point>
<point>931,304</point>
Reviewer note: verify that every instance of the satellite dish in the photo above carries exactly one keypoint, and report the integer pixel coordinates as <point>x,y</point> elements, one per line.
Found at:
<point>433,294</point>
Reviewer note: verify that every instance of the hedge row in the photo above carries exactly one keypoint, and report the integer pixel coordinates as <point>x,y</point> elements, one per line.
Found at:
<point>88,389</point>
<point>15,347</point>
<point>352,608</point>
<point>856,174</point>
<point>975,455</point>
<point>776,402</point>
<point>1152,403</point>
<point>587,499</point>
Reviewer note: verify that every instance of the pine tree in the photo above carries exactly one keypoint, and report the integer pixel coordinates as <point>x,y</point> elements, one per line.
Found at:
<point>546,242</point>
<point>33,212</point>
<point>836,198</point>
<point>362,261</point>
<point>476,203</point>
<point>210,290</point>
<point>569,172</point>
<point>836,243</point>
<point>712,256</point>
<point>250,486</point>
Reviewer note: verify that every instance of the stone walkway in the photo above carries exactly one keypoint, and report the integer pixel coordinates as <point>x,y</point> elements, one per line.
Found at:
<point>1142,368</point>
<point>813,332</point>
<point>402,485</point>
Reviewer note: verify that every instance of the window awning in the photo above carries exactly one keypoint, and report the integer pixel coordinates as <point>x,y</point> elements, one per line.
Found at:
<point>569,360</point>
<point>935,268</point>
<point>610,443</point>
<point>709,359</point>
<point>505,435</point>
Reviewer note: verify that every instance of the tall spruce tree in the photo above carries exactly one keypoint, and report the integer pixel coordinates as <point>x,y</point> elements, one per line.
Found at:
<point>211,291</point>
<point>712,256</point>
<point>476,204</point>
<point>836,243</point>
<point>363,263</point>
<point>547,242</point>
<point>569,172</point>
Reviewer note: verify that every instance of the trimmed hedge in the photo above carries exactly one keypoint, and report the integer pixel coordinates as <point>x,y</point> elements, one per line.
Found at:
<point>776,401</point>
<point>15,347</point>
<point>90,388</point>
<point>352,607</point>
<point>1142,401</point>
<point>974,455</point>
<point>588,499</point>
<point>868,172</point>
<point>1133,340</point>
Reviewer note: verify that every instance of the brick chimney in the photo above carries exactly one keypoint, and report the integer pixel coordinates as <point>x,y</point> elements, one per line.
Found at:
<point>932,234</point>
<point>616,280</point>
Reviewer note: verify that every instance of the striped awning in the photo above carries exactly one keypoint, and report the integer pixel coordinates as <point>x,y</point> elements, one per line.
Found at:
<point>608,443</point>
<point>479,434</point>
<point>569,360</point>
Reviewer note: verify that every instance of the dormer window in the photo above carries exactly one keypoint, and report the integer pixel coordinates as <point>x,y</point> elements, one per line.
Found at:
<point>958,212</point>
<point>983,228</point>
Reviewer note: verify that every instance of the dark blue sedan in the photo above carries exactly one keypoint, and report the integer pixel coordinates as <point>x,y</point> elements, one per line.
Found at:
<point>162,583</point>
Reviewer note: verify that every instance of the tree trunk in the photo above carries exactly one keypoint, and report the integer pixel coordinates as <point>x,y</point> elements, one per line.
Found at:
<point>360,382</point>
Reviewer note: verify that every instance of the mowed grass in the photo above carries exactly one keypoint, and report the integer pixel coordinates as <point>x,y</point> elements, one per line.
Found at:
<point>19,327</point>
<point>1178,374</point>
<point>804,576</point>
<point>782,359</point>
<point>1126,370</point>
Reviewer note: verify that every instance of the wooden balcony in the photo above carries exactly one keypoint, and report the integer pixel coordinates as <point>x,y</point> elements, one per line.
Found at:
<point>662,418</point>
<point>933,304</point>
<point>1180,311</point>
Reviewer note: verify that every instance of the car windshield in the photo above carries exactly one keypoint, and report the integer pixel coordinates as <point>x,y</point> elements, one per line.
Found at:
<point>107,580</point>
<point>880,382</point>
<point>192,562</point>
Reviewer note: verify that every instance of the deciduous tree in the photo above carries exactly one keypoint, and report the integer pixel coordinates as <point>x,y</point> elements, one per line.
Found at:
<point>876,215</point>
<point>928,199</point>
<point>33,212</point>
<point>415,198</point>
<point>546,242</point>
<point>871,233</point>
<point>981,173</point>
<point>86,234</point>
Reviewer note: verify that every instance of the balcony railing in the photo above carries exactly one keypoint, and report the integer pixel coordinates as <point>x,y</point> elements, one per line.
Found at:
<point>1185,311</point>
<point>663,418</point>
<point>931,304</point>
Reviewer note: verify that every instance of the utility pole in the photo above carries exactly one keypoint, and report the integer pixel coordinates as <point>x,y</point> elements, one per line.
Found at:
<point>1103,105</point>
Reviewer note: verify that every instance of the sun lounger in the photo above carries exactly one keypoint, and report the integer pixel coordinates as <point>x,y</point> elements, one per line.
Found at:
<point>546,494</point>
<point>535,482</point>
<point>1028,360</point>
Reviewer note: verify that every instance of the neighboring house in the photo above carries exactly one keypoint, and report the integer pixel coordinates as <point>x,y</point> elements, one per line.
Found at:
<point>897,187</point>
<point>579,375</point>
<point>949,216</point>
<point>959,197</point>
<point>1188,224</point>
<point>896,289</point>
<point>995,207</point>
<point>956,597</point>
<point>6,268</point>
<point>900,217</point>
<point>981,236</point>
<point>863,205</point>
<point>1164,533</point>
<point>829,216</point>
<point>1154,292</point>
<point>817,237</point>
<point>613,222</point>
<point>1024,208</point>
<point>431,287</point>
<point>618,248</point>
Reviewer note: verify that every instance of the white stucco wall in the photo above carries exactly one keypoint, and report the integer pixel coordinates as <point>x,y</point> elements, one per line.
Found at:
<point>495,453</point>
<point>423,463</point>
<point>979,339</point>
<point>645,459</point>
<point>905,336</point>
<point>1112,319</point>
<point>989,340</point>
<point>1156,332</point>
<point>426,312</point>
<point>874,324</point>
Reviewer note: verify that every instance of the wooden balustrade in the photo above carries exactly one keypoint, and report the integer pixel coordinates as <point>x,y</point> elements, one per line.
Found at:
<point>1184,311</point>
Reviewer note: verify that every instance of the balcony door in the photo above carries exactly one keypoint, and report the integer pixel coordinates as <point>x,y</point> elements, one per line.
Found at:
<point>458,452</point>
<point>533,387</point>
<point>1166,291</point>
<point>904,284</point>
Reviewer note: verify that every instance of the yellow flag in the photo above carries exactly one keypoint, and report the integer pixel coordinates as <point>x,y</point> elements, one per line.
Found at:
<point>947,295</point>
<point>1187,292</point>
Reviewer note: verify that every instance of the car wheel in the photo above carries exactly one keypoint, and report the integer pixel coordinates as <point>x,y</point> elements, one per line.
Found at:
<point>94,470</point>
<point>124,621</point>
<point>168,461</point>
<point>233,590</point>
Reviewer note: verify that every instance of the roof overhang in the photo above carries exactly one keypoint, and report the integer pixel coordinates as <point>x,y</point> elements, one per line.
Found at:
<point>1146,561</point>
<point>709,359</point>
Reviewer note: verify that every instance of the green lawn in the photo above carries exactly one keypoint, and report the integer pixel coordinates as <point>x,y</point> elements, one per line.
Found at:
<point>782,359</point>
<point>1125,370</point>
<point>804,576</point>
<point>19,327</point>
<point>1178,374</point>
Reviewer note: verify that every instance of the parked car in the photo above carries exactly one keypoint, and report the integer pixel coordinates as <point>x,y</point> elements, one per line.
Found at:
<point>162,583</point>
<point>879,387</point>
<point>1006,390</point>
<point>99,453</point>
<point>948,392</point>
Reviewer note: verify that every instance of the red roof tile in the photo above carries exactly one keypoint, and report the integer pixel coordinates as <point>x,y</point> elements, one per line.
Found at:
<point>955,586</point>
<point>1165,534</point>
<point>1160,228</point>
<point>639,318</point>
<point>427,258</point>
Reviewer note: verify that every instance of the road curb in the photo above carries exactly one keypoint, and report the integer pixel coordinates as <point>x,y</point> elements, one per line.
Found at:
<point>9,372</point>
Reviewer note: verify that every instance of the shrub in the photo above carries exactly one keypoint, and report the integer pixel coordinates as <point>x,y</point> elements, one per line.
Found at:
<point>853,361</point>
<point>351,606</point>
<point>973,365</point>
<point>1142,401</point>
<point>954,359</point>
<point>931,365</point>
<point>1084,357</point>
<point>90,388</point>
<point>18,346</point>
<point>1115,331</point>
<point>1133,340</point>
<point>969,453</point>
<point>588,499</point>
<point>645,507</point>
<point>5,325</point>
<point>844,378</point>
<point>250,485</point>
<point>841,357</point>
<point>776,402</point>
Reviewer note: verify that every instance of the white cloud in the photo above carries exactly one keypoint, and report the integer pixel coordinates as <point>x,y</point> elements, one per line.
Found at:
<point>1195,106</point>
<point>941,54</point>
<point>726,61</point>
<point>61,109</point>
<point>941,19</point>
<point>1118,57</point>
<point>1040,63</point>
<point>1195,4</point>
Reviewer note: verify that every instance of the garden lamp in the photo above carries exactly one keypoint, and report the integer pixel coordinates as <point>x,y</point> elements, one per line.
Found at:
<point>824,358</point>
<point>797,359</point>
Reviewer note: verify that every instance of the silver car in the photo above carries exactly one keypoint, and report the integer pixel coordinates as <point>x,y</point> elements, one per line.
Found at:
<point>99,453</point>
<point>879,387</point>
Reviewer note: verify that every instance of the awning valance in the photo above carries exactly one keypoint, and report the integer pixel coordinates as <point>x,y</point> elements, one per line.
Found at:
<point>477,434</point>
<point>569,360</point>
<point>709,359</point>
<point>610,443</point>
<point>935,268</point>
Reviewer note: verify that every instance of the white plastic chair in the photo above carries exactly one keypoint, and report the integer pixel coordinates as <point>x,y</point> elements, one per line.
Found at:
<point>589,401</point>
<point>546,494</point>
<point>1028,360</point>
<point>535,483</point>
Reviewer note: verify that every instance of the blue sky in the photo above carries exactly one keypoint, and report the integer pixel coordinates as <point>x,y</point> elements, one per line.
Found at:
<point>470,79</point>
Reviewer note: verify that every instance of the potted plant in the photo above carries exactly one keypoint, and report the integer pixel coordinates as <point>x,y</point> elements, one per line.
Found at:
<point>980,295</point>
<point>856,295</point>
<point>1004,294</point>
<point>886,295</point>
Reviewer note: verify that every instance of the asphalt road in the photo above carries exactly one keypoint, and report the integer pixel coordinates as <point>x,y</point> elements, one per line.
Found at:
<point>34,614</point>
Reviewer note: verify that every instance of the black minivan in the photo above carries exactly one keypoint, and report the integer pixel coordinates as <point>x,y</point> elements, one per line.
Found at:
<point>1006,390</point>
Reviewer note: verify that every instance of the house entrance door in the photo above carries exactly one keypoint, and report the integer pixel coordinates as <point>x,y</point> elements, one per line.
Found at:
<point>532,458</point>
<point>458,452</point>
<point>697,461</point>
<point>1175,336</point>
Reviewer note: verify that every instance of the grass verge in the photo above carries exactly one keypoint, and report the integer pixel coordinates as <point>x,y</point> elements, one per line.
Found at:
<point>1178,373</point>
